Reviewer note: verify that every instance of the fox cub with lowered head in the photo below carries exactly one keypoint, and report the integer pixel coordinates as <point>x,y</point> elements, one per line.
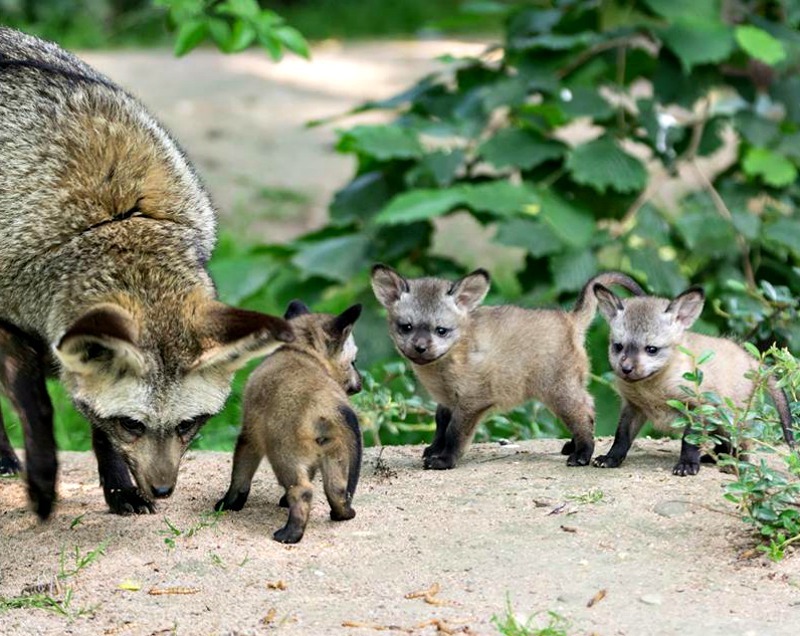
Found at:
<point>105,231</point>
<point>474,359</point>
<point>296,412</point>
<point>647,335</point>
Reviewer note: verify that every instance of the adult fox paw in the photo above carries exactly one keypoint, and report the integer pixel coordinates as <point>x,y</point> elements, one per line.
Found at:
<point>607,461</point>
<point>439,462</point>
<point>684,468</point>
<point>128,501</point>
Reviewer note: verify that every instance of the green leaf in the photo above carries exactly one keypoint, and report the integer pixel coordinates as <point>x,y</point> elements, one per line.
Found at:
<point>340,258</point>
<point>361,198</point>
<point>243,34</point>
<point>556,41</point>
<point>532,235</point>
<point>785,231</point>
<point>774,169</point>
<point>755,129</point>
<point>190,34</point>
<point>239,8</point>
<point>698,42</point>
<point>512,147</point>
<point>759,44</point>
<point>572,224</point>
<point>293,40</point>
<point>498,197</point>
<point>239,277</point>
<point>572,269</point>
<point>602,164</point>
<point>677,9</point>
<point>583,101</point>
<point>662,276</point>
<point>220,33</point>
<point>438,167</point>
<point>383,142</point>
<point>418,205</point>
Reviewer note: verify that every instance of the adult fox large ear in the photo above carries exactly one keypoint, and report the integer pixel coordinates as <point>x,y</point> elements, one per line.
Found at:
<point>103,340</point>
<point>470,291</point>
<point>388,285</point>
<point>235,336</point>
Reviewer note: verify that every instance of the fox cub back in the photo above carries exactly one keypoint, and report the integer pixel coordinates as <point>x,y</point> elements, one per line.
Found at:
<point>297,413</point>
<point>475,359</point>
<point>647,337</point>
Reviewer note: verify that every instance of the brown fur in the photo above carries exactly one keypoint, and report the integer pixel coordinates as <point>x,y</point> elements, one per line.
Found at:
<point>491,358</point>
<point>296,412</point>
<point>647,335</point>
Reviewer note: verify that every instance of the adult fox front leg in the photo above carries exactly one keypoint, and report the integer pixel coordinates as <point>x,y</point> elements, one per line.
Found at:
<point>105,231</point>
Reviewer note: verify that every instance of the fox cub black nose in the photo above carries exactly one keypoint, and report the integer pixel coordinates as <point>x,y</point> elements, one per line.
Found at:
<point>160,492</point>
<point>420,348</point>
<point>626,369</point>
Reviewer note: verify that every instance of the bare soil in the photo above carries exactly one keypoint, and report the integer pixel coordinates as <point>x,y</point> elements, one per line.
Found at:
<point>510,524</point>
<point>660,554</point>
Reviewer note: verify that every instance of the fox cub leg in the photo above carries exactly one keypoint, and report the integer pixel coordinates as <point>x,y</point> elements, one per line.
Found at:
<point>630,423</point>
<point>443,416</point>
<point>246,459</point>
<point>298,496</point>
<point>22,376</point>
<point>458,433</point>
<point>575,407</point>
<point>9,462</point>
<point>334,481</point>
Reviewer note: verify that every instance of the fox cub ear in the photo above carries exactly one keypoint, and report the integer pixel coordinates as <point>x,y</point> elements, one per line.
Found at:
<point>296,308</point>
<point>340,327</point>
<point>608,302</point>
<point>103,340</point>
<point>239,335</point>
<point>687,306</point>
<point>388,285</point>
<point>470,291</point>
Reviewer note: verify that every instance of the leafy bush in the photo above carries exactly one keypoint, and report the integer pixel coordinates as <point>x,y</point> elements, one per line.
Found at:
<point>766,489</point>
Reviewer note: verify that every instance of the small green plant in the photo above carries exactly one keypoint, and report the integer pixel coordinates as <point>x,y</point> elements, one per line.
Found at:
<point>766,489</point>
<point>548,623</point>
<point>591,496</point>
<point>53,595</point>
<point>173,532</point>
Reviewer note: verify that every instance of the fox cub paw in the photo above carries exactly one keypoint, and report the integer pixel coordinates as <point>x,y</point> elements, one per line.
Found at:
<point>128,501</point>
<point>344,515</point>
<point>288,534</point>
<point>684,468</point>
<point>439,462</point>
<point>607,461</point>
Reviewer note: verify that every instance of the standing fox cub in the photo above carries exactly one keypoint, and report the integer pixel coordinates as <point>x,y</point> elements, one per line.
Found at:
<point>105,231</point>
<point>475,359</point>
<point>296,412</point>
<point>646,337</point>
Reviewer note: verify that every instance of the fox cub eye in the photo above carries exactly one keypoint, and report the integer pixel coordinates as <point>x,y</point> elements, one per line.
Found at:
<point>184,427</point>
<point>442,331</point>
<point>651,351</point>
<point>617,347</point>
<point>134,427</point>
<point>404,327</point>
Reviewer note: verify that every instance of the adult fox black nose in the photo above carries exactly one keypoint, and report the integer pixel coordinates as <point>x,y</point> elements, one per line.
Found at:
<point>420,348</point>
<point>160,492</point>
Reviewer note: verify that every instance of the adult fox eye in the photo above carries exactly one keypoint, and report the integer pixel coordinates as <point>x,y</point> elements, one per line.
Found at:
<point>651,350</point>
<point>405,327</point>
<point>442,331</point>
<point>134,427</point>
<point>617,347</point>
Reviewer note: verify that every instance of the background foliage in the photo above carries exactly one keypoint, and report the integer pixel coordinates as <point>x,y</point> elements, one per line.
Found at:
<point>658,137</point>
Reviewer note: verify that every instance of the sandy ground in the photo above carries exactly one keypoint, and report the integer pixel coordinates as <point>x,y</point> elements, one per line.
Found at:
<point>510,523</point>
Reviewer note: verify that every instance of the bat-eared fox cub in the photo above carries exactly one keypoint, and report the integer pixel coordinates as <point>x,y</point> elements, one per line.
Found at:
<point>105,231</point>
<point>296,412</point>
<point>474,359</point>
<point>647,335</point>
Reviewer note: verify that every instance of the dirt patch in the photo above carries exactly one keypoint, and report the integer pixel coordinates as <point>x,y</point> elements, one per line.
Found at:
<point>428,550</point>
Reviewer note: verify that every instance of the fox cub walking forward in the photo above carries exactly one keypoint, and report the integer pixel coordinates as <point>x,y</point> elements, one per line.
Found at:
<point>104,235</point>
<point>296,412</point>
<point>647,335</point>
<point>475,359</point>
